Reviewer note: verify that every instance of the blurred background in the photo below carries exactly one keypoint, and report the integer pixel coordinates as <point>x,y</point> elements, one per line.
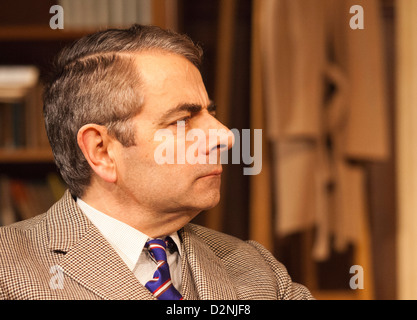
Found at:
<point>337,109</point>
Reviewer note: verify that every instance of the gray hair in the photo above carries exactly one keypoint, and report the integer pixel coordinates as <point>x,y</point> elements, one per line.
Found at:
<point>94,81</point>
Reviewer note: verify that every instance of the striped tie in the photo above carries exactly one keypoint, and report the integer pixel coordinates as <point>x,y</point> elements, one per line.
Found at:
<point>161,285</point>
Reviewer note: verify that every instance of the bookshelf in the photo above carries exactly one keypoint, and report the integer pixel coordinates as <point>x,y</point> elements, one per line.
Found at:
<point>29,181</point>
<point>28,156</point>
<point>39,33</point>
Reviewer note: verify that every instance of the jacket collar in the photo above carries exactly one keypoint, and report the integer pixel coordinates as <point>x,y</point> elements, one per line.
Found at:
<point>66,224</point>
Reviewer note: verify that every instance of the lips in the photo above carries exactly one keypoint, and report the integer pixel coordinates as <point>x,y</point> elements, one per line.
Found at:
<point>213,173</point>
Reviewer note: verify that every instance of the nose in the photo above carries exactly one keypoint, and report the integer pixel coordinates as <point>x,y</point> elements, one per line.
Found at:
<point>218,138</point>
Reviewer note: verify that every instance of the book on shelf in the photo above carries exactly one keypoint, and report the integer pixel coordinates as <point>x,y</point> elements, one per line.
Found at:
<point>21,116</point>
<point>7,213</point>
<point>24,199</point>
<point>96,14</point>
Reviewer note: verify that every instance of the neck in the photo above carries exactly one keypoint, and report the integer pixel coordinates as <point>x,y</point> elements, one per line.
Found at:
<point>151,222</point>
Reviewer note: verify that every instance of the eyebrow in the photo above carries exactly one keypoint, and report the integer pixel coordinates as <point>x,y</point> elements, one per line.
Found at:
<point>186,107</point>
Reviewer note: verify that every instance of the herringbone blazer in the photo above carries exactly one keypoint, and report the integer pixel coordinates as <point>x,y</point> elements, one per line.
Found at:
<point>61,255</point>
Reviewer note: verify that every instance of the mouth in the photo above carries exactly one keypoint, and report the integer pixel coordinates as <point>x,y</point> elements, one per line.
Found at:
<point>214,173</point>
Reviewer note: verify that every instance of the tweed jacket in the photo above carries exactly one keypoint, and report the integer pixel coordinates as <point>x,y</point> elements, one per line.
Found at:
<point>61,255</point>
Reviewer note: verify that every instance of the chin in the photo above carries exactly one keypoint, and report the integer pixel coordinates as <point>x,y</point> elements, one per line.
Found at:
<point>201,197</point>
<point>211,202</point>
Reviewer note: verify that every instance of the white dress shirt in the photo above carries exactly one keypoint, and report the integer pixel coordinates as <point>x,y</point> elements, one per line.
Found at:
<point>129,243</point>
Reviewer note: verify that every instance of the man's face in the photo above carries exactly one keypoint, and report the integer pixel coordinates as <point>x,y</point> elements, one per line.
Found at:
<point>173,91</point>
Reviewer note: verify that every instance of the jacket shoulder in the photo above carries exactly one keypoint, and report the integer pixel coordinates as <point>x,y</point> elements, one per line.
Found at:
<point>25,229</point>
<point>211,236</point>
<point>20,239</point>
<point>252,262</point>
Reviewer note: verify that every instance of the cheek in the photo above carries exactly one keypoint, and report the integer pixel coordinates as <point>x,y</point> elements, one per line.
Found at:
<point>163,148</point>
<point>169,148</point>
<point>146,145</point>
<point>159,161</point>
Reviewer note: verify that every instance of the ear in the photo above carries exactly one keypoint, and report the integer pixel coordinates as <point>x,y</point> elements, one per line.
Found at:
<point>96,145</point>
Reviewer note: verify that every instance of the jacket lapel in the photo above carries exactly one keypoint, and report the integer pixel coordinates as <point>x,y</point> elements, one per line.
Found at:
<point>206,276</point>
<point>89,259</point>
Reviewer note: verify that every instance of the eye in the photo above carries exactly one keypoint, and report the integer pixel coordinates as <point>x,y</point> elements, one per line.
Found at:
<point>181,122</point>
<point>185,119</point>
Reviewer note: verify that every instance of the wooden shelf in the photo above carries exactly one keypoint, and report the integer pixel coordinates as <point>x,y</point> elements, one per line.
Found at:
<point>336,295</point>
<point>25,155</point>
<point>40,33</point>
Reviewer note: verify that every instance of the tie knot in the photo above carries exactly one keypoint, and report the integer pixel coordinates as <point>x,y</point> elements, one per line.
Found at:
<point>155,243</point>
<point>157,248</point>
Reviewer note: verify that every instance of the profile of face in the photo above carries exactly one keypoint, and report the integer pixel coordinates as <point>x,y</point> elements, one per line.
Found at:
<point>174,94</point>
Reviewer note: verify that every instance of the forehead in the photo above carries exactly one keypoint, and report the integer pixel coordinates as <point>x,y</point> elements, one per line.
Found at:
<point>169,79</point>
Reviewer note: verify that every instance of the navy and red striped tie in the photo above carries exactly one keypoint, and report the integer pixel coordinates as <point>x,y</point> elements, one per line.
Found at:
<point>161,285</point>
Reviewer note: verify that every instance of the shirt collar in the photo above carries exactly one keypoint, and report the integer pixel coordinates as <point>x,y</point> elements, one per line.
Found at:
<point>126,240</point>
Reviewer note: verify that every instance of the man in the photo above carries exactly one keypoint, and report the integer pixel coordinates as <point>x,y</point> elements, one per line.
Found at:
<point>108,97</point>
